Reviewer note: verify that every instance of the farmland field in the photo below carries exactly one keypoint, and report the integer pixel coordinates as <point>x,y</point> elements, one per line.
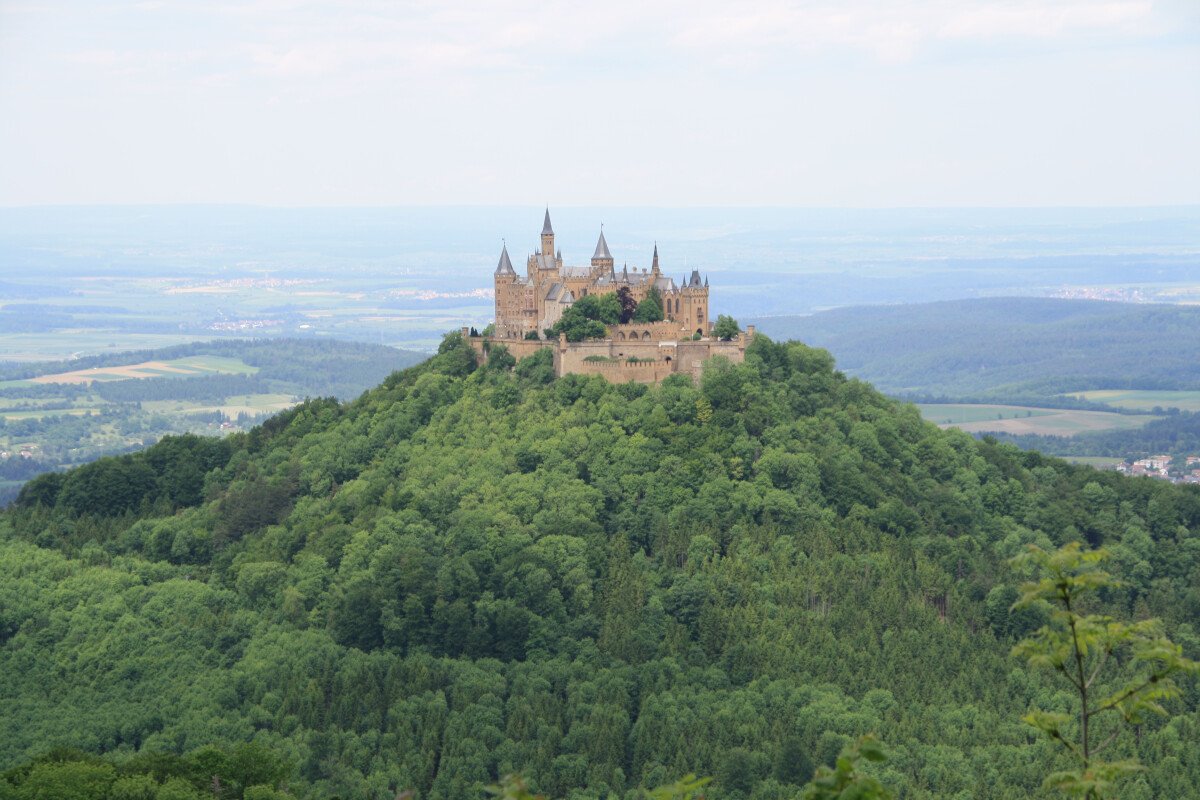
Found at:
<point>66,344</point>
<point>1099,462</point>
<point>983,418</point>
<point>252,404</point>
<point>179,367</point>
<point>963,413</point>
<point>47,412</point>
<point>1144,400</point>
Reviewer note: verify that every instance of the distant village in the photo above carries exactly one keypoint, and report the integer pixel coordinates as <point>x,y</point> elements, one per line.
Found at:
<point>1177,469</point>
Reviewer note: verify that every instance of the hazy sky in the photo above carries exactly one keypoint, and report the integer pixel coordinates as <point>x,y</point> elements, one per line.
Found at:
<point>695,102</point>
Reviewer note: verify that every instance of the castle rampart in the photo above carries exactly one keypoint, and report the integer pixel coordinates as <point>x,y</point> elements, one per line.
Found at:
<point>644,361</point>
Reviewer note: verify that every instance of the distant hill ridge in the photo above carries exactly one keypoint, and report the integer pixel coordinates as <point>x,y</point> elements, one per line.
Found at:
<point>322,366</point>
<point>1006,347</point>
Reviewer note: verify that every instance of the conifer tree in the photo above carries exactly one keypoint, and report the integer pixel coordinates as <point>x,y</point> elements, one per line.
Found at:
<point>1117,669</point>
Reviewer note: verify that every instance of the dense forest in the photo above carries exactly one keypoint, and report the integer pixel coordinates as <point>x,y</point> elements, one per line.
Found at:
<point>479,569</point>
<point>1007,348</point>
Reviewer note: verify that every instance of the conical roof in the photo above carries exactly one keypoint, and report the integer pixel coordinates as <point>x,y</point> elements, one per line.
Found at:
<point>546,228</point>
<point>654,263</point>
<point>601,248</point>
<point>505,266</point>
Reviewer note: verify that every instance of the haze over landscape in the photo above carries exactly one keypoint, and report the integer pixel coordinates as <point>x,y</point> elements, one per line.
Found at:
<point>402,400</point>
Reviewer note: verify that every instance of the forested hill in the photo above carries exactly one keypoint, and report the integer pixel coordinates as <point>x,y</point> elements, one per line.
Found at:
<point>470,571</point>
<point>1007,347</point>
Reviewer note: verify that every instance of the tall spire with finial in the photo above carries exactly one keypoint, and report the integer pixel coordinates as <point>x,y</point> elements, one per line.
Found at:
<point>547,236</point>
<point>654,263</point>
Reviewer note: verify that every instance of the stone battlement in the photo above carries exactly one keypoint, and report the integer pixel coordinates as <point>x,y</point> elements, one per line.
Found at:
<point>653,360</point>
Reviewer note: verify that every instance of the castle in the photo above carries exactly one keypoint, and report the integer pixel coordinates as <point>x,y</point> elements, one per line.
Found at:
<point>527,306</point>
<point>536,301</point>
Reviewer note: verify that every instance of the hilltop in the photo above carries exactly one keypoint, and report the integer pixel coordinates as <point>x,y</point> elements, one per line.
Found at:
<point>468,571</point>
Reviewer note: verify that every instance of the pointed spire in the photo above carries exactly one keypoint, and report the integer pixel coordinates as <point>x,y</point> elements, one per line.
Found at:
<point>601,247</point>
<point>505,266</point>
<point>547,229</point>
<point>654,263</point>
<point>559,254</point>
<point>706,281</point>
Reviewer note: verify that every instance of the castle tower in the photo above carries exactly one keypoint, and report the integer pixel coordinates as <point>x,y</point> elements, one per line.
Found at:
<point>602,259</point>
<point>547,237</point>
<point>654,264</point>
<point>504,269</point>
<point>693,311</point>
<point>509,295</point>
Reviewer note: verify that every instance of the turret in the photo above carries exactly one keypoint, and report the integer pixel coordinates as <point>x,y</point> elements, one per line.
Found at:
<point>547,237</point>
<point>505,267</point>
<point>602,258</point>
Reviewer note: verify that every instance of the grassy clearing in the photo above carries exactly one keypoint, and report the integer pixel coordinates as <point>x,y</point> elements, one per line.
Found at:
<point>1144,399</point>
<point>981,418</point>
<point>960,413</point>
<point>252,404</point>
<point>1099,462</point>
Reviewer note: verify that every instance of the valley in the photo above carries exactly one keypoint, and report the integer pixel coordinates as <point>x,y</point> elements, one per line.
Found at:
<point>53,416</point>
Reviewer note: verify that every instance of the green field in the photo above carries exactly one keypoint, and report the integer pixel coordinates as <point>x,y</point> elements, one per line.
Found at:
<point>987,418</point>
<point>64,344</point>
<point>191,366</point>
<point>252,404</point>
<point>48,412</point>
<point>1099,462</point>
<point>1144,400</point>
<point>963,413</point>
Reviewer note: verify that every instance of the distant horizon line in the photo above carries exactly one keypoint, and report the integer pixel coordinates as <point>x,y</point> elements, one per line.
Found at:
<point>484,206</point>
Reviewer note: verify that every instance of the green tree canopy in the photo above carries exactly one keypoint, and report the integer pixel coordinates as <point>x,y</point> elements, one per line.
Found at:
<point>726,328</point>
<point>651,307</point>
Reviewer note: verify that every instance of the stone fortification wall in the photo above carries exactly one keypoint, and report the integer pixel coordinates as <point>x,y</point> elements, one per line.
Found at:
<point>624,371</point>
<point>519,348</point>
<point>648,331</point>
<point>654,360</point>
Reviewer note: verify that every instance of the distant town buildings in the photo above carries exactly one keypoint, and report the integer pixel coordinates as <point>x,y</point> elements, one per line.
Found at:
<point>1184,469</point>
